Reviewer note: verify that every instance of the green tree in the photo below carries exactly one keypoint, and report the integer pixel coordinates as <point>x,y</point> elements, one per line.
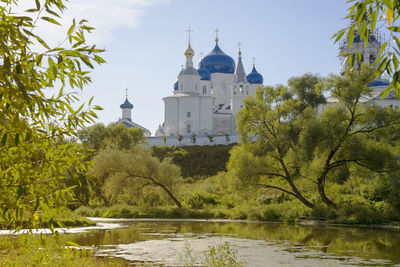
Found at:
<point>179,138</point>
<point>366,17</point>
<point>34,123</point>
<point>123,169</point>
<point>210,138</point>
<point>193,138</point>
<point>99,136</point>
<point>296,150</point>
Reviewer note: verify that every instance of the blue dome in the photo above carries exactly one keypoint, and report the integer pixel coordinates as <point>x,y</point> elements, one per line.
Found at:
<point>204,73</point>
<point>126,104</point>
<point>254,77</point>
<point>176,86</point>
<point>218,62</point>
<point>379,82</point>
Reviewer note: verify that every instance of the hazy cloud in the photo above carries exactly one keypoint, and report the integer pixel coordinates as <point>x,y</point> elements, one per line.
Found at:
<point>104,15</point>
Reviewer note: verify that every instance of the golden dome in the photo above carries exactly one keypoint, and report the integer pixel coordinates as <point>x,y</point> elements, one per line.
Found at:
<point>189,52</point>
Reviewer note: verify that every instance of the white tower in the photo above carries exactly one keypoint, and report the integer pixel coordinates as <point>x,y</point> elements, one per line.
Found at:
<point>368,53</point>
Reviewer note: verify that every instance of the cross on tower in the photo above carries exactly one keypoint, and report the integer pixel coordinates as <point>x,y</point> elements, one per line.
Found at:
<point>189,31</point>
<point>240,45</point>
<point>254,61</point>
<point>126,92</point>
<point>216,35</point>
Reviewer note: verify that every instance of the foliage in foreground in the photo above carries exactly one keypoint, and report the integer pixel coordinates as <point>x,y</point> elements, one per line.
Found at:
<point>366,17</point>
<point>38,250</point>
<point>37,113</point>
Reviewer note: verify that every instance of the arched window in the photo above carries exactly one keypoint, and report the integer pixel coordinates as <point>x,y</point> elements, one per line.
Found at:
<point>204,90</point>
<point>223,89</point>
<point>372,59</point>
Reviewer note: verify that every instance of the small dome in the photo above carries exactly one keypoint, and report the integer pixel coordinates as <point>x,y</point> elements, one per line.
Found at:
<point>218,62</point>
<point>176,86</point>
<point>254,77</point>
<point>189,71</point>
<point>204,73</point>
<point>189,52</point>
<point>126,104</point>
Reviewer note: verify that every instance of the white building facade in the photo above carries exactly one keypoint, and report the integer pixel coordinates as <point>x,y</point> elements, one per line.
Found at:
<point>205,100</point>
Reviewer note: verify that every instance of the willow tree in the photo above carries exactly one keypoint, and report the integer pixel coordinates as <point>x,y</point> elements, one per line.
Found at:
<point>38,110</point>
<point>289,146</point>
<point>122,170</point>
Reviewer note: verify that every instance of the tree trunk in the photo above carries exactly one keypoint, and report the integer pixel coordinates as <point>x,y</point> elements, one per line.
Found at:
<point>325,199</point>
<point>304,201</point>
<point>170,194</point>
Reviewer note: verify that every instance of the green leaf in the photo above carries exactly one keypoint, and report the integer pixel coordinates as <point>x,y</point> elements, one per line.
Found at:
<point>48,10</point>
<point>20,191</point>
<point>86,60</point>
<point>388,3</point>
<point>71,29</point>
<point>339,35</point>
<point>396,40</point>
<point>51,20</point>
<point>394,29</point>
<point>4,139</point>
<point>350,35</point>
<point>395,62</point>
<point>37,4</point>
<point>18,68</point>
<point>37,202</point>
<point>40,40</point>
<point>7,63</point>
<point>70,243</point>
<point>373,20</point>
<point>383,48</point>
<point>16,139</point>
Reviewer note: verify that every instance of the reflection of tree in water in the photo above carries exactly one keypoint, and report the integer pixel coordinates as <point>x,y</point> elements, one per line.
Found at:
<point>342,241</point>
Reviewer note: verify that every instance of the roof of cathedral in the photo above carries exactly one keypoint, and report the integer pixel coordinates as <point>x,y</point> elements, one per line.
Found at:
<point>218,62</point>
<point>379,82</point>
<point>126,104</point>
<point>129,123</point>
<point>254,77</point>
<point>189,71</point>
<point>204,73</point>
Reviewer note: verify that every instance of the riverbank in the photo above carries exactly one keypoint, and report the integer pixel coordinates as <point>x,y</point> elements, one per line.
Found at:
<point>284,212</point>
<point>67,219</point>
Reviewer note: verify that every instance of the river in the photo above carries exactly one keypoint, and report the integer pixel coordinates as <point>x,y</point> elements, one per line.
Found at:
<point>168,242</point>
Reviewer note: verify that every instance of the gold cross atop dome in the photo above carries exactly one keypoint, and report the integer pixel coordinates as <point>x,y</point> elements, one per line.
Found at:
<point>189,31</point>
<point>240,45</point>
<point>126,92</point>
<point>216,35</point>
<point>189,52</point>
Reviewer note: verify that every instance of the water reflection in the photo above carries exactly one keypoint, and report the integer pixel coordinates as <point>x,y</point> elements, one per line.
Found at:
<point>258,244</point>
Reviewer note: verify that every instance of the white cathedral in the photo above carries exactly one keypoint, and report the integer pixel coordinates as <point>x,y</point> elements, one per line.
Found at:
<point>205,100</point>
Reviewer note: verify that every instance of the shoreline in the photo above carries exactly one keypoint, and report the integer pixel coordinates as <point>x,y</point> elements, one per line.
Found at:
<point>303,222</point>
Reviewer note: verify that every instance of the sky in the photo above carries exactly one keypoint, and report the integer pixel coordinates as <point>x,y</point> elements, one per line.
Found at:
<point>145,42</point>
